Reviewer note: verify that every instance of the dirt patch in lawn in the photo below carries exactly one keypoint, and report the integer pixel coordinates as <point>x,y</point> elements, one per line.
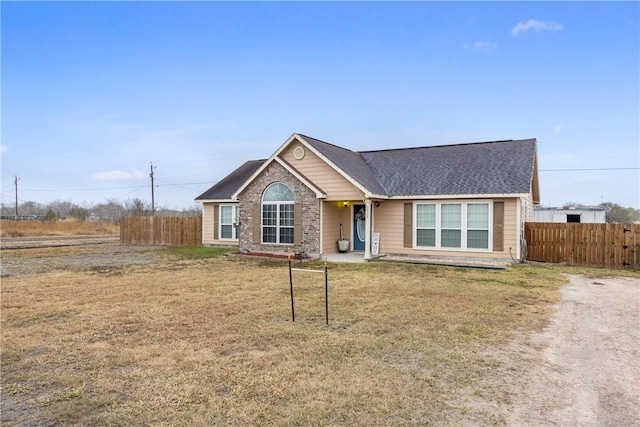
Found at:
<point>46,255</point>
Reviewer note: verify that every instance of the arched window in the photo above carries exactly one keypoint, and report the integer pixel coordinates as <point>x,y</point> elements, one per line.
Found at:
<point>278,214</point>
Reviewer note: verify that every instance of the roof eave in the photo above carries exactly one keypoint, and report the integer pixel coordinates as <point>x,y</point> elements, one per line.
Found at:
<point>217,200</point>
<point>460,196</point>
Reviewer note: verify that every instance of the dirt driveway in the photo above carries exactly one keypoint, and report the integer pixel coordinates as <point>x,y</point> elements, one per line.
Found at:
<point>583,369</point>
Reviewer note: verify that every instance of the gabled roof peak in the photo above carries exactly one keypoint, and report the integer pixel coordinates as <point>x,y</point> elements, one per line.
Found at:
<point>312,139</point>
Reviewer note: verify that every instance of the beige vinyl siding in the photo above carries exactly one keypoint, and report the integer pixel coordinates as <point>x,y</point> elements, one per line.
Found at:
<point>389,222</point>
<point>528,211</point>
<point>334,214</point>
<point>511,229</point>
<point>322,175</point>
<point>208,225</point>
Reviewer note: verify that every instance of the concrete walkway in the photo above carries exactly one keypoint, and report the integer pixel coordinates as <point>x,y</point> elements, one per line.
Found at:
<point>358,257</point>
<point>352,257</point>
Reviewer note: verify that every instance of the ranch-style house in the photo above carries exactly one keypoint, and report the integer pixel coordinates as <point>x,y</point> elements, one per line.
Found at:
<point>464,200</point>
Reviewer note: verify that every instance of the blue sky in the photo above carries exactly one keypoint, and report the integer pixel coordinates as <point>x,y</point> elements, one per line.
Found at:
<point>94,92</point>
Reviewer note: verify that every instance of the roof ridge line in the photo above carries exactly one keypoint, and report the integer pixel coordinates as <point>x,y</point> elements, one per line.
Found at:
<point>444,145</point>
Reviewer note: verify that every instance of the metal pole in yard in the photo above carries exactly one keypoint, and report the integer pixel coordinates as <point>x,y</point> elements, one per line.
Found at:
<point>293,314</point>
<point>326,290</point>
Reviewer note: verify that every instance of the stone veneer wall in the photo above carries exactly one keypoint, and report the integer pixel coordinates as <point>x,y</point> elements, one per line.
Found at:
<point>310,208</point>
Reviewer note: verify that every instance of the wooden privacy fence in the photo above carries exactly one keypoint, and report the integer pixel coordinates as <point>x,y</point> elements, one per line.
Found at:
<point>598,245</point>
<point>164,231</point>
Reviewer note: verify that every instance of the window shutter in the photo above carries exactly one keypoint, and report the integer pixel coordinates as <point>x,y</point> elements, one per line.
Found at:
<point>498,226</point>
<point>216,220</point>
<point>257,226</point>
<point>297,224</point>
<point>408,225</point>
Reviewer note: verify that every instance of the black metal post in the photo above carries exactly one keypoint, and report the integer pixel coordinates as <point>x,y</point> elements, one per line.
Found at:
<point>326,295</point>
<point>326,291</point>
<point>293,314</point>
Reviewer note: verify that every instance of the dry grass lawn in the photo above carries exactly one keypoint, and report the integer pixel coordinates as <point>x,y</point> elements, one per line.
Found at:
<point>68,227</point>
<point>211,342</point>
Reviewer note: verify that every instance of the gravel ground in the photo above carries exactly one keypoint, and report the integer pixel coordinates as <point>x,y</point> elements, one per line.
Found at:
<point>22,257</point>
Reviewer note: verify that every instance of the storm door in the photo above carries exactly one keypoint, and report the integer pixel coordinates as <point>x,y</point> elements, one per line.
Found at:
<point>359,229</point>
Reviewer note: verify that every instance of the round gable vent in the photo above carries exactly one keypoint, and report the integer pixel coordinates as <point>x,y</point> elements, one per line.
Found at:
<point>298,153</point>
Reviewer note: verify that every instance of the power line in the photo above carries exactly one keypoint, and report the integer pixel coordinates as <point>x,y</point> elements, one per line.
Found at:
<point>586,169</point>
<point>134,190</point>
<point>85,189</point>
<point>166,184</point>
<point>184,183</point>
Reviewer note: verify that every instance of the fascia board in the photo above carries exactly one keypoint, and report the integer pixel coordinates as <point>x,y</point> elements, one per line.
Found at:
<point>376,196</point>
<point>218,201</point>
<point>459,196</point>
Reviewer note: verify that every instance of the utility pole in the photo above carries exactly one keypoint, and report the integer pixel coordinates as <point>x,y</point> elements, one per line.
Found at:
<point>16,183</point>
<point>153,208</point>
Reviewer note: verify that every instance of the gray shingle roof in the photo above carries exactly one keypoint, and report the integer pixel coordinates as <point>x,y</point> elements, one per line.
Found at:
<point>224,189</point>
<point>350,162</point>
<point>501,167</point>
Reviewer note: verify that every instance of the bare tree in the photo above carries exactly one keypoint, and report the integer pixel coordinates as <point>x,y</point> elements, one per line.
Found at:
<point>111,210</point>
<point>619,214</point>
<point>136,207</point>
<point>194,211</point>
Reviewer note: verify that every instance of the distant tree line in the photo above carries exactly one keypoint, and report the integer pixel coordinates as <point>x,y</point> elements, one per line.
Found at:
<point>112,210</point>
<point>619,214</point>
<point>109,210</point>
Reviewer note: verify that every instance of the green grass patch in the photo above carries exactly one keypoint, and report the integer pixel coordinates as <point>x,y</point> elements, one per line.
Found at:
<point>196,252</point>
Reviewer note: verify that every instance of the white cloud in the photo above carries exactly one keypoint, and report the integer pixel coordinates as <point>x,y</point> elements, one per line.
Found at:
<point>483,46</point>
<point>118,175</point>
<point>3,148</point>
<point>139,175</point>
<point>557,129</point>
<point>535,25</point>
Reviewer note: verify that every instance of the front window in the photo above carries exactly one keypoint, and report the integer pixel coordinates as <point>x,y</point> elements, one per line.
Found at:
<point>277,214</point>
<point>426,225</point>
<point>478,225</point>
<point>450,225</point>
<point>462,225</point>
<point>229,222</point>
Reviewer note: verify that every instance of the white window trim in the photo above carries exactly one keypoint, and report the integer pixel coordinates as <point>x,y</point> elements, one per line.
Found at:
<point>463,242</point>
<point>277,203</point>
<point>234,224</point>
